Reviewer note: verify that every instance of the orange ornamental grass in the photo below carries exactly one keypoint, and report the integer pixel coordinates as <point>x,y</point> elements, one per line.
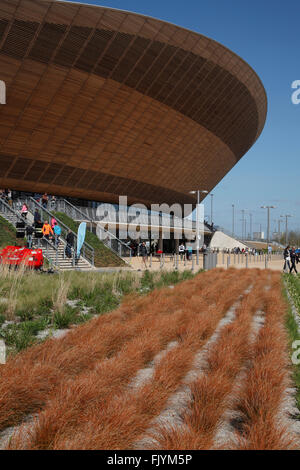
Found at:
<point>111,376</point>
<point>105,424</point>
<point>33,376</point>
<point>267,380</point>
<point>28,379</point>
<point>211,390</point>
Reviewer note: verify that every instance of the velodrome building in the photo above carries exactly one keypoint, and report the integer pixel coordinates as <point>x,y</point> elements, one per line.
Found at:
<point>102,102</point>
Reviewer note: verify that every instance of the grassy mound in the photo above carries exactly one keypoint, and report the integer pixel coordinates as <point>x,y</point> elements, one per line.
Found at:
<point>104,257</point>
<point>7,234</point>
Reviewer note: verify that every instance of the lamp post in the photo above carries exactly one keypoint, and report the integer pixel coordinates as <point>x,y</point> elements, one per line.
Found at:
<point>243,223</point>
<point>198,192</point>
<point>232,220</point>
<point>211,208</point>
<point>279,228</point>
<point>250,226</point>
<point>286,227</point>
<point>268,230</point>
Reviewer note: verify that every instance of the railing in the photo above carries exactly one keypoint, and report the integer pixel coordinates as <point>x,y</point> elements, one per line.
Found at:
<point>6,210</point>
<point>108,238</point>
<point>87,251</point>
<point>165,220</point>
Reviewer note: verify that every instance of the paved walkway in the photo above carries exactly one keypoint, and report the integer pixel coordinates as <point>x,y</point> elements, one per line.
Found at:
<point>167,264</point>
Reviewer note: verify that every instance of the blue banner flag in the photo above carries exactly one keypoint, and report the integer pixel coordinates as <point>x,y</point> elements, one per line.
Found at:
<point>80,237</point>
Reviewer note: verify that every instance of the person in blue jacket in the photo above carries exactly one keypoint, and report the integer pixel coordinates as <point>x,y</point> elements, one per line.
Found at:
<point>57,233</point>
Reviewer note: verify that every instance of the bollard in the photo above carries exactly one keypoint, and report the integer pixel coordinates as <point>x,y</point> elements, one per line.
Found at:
<point>184,259</point>
<point>234,258</point>
<point>266,262</point>
<point>160,260</point>
<point>163,259</point>
<point>205,261</point>
<point>150,263</point>
<point>228,261</point>
<point>238,258</point>
<point>193,261</point>
<point>246,261</point>
<point>223,258</point>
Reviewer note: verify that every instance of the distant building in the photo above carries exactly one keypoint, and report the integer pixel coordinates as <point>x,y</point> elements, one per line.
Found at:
<point>258,235</point>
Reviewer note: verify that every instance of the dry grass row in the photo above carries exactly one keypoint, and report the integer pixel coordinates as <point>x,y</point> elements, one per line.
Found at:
<point>28,380</point>
<point>162,316</point>
<point>96,411</point>
<point>210,392</point>
<point>261,397</point>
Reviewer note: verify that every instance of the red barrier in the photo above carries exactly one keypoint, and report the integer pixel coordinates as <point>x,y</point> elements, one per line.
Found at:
<point>20,255</point>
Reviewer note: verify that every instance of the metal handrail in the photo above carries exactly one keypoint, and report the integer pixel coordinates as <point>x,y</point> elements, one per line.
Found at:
<point>22,219</point>
<point>87,250</point>
<point>106,232</point>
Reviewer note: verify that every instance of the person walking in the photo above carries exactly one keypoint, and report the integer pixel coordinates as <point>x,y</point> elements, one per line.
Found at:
<point>9,197</point>
<point>144,253</point>
<point>294,260</point>
<point>45,200</point>
<point>53,203</point>
<point>189,252</point>
<point>181,250</point>
<point>24,211</point>
<point>47,230</point>
<point>57,233</point>
<point>287,258</point>
<point>37,217</point>
<point>70,243</point>
<point>29,235</point>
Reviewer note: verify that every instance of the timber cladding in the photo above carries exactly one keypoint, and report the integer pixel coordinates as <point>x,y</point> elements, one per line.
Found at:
<point>103,102</point>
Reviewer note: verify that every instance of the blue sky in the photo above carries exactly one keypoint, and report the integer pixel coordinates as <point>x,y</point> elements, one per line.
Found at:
<point>265,33</point>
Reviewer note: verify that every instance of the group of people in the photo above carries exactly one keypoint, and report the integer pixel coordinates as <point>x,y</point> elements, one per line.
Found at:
<point>6,196</point>
<point>291,258</point>
<point>48,230</point>
<point>46,200</point>
<point>185,250</point>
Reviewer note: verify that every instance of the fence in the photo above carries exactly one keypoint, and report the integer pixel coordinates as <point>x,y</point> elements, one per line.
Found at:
<point>208,260</point>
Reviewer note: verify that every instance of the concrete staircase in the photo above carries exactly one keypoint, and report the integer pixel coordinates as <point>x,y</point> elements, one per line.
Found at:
<point>10,217</point>
<point>64,263</point>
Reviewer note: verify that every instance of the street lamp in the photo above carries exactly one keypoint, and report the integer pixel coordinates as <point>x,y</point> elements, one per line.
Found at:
<point>268,231</point>
<point>243,223</point>
<point>250,226</point>
<point>198,192</point>
<point>211,209</point>
<point>286,227</point>
<point>279,229</point>
<point>232,220</point>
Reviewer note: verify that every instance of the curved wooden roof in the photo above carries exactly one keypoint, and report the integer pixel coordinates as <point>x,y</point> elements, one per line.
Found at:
<point>102,102</point>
